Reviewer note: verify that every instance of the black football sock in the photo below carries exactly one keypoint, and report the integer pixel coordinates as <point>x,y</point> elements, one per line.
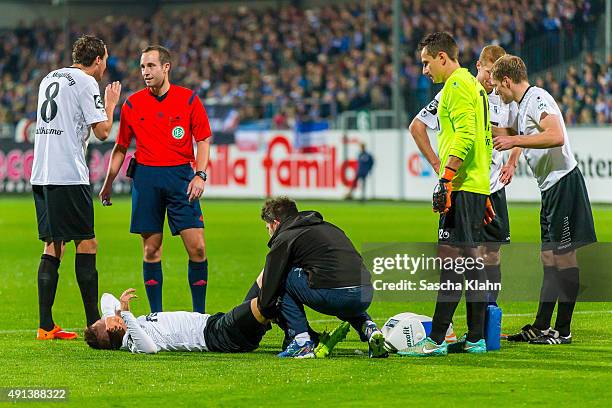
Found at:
<point>476,304</point>
<point>493,276</point>
<point>569,282</point>
<point>548,298</point>
<point>446,304</point>
<point>47,286</point>
<point>153,281</point>
<point>198,281</point>
<point>253,292</point>
<point>87,278</point>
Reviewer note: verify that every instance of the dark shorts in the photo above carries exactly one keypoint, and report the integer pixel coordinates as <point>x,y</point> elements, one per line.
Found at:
<point>566,220</point>
<point>64,213</point>
<point>236,331</point>
<point>463,223</point>
<point>498,230</point>
<point>157,190</point>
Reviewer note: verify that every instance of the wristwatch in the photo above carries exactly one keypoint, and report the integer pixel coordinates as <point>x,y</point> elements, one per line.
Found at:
<point>201,174</point>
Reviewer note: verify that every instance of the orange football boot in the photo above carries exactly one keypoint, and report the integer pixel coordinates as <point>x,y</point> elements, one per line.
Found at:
<point>56,334</point>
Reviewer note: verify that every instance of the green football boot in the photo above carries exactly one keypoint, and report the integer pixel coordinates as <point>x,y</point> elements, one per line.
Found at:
<point>328,341</point>
<point>464,346</point>
<point>425,348</point>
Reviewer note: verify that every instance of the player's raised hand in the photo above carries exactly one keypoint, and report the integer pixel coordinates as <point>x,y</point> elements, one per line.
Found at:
<point>126,297</point>
<point>112,93</point>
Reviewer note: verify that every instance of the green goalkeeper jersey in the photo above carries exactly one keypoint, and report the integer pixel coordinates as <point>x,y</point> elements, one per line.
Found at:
<point>465,131</point>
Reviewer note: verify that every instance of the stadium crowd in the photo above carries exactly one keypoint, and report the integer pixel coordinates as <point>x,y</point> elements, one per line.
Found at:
<point>287,63</point>
<point>584,94</point>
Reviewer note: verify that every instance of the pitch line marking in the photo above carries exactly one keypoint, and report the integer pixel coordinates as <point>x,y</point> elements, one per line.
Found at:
<point>583,312</point>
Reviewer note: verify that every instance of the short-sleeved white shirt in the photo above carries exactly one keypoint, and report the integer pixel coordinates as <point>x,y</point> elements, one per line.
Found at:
<point>69,102</point>
<point>548,165</point>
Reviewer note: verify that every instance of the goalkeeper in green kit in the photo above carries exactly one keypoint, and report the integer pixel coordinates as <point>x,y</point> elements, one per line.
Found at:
<point>461,196</point>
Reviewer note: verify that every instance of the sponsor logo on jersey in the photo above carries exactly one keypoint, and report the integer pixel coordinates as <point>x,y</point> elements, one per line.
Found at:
<point>432,107</point>
<point>178,132</point>
<point>44,131</point>
<point>98,102</point>
<point>152,317</point>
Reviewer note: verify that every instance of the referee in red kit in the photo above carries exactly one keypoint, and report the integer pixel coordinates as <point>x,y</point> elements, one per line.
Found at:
<point>165,119</point>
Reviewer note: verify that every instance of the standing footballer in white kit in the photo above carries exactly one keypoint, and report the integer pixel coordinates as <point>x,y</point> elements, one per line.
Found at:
<point>69,104</point>
<point>566,219</point>
<point>501,115</point>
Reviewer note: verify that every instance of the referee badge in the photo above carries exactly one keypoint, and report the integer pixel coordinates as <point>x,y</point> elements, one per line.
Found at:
<point>178,132</point>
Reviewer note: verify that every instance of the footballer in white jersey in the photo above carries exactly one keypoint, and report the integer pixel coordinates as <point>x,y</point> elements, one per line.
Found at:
<point>239,330</point>
<point>566,220</point>
<point>69,103</point>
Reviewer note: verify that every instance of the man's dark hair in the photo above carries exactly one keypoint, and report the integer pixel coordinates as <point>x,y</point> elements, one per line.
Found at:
<point>279,208</point>
<point>86,49</point>
<point>115,339</point>
<point>440,42</point>
<point>91,338</point>
<point>164,53</point>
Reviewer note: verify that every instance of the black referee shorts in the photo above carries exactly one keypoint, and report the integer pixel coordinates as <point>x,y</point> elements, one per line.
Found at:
<point>566,220</point>
<point>64,213</point>
<point>235,331</point>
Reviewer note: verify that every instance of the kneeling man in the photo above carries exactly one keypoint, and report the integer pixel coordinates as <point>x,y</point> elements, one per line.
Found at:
<point>312,262</point>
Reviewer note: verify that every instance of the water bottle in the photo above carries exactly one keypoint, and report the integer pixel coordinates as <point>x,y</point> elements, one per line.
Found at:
<point>493,321</point>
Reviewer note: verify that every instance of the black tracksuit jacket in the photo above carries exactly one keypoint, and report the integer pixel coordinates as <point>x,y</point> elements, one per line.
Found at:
<point>320,248</point>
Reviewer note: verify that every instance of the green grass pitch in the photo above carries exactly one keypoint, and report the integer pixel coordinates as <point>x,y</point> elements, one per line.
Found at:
<point>236,245</point>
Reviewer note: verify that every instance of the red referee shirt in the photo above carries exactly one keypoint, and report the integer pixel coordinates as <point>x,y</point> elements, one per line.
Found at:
<point>164,127</point>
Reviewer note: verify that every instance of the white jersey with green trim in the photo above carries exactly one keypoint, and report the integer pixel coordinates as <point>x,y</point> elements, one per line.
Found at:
<point>548,165</point>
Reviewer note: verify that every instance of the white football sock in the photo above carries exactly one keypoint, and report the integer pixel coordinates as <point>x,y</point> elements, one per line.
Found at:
<point>302,338</point>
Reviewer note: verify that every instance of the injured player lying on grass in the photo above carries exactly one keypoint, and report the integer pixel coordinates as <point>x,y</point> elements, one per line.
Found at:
<point>239,330</point>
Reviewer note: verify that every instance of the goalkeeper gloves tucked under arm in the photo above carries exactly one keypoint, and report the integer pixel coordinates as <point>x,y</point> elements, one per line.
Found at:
<point>441,201</point>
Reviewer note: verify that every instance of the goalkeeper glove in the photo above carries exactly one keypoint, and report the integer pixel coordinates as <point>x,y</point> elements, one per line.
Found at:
<point>441,201</point>
<point>489,212</point>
